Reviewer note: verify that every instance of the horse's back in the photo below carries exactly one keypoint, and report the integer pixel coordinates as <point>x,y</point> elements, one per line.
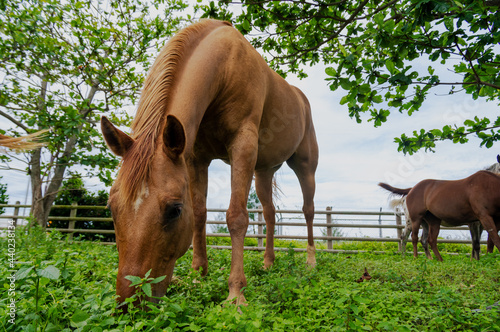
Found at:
<point>248,94</point>
<point>457,200</point>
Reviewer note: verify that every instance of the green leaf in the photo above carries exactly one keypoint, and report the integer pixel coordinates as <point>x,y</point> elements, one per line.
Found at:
<point>157,280</point>
<point>23,272</point>
<point>330,71</point>
<point>50,272</point>
<point>147,289</point>
<point>390,66</point>
<point>246,25</point>
<point>134,279</point>
<point>79,318</point>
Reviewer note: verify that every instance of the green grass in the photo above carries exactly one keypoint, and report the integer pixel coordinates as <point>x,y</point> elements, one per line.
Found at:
<point>65,286</point>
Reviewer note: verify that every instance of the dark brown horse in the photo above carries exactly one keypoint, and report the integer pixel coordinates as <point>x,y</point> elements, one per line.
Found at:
<point>475,229</point>
<point>209,95</point>
<point>458,202</point>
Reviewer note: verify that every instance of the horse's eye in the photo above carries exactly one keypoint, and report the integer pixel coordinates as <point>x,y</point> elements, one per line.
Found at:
<point>173,212</point>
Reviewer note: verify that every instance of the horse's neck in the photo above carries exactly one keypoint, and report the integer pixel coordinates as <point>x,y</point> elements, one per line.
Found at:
<point>192,95</point>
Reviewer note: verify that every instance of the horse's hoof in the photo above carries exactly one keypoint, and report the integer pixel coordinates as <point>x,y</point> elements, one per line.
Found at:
<point>268,264</point>
<point>236,300</point>
<point>311,264</point>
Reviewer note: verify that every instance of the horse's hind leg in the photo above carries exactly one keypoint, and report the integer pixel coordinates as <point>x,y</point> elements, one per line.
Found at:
<point>415,227</point>
<point>424,240</point>
<point>434,225</point>
<point>475,232</point>
<point>304,163</point>
<point>264,189</point>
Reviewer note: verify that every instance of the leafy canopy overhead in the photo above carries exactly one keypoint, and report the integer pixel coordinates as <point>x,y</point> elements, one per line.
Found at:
<point>371,49</point>
<point>63,64</point>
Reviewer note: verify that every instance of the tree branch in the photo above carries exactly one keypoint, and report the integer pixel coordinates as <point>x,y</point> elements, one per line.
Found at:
<point>17,123</point>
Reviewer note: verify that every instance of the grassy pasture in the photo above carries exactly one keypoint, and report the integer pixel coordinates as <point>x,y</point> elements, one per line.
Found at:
<point>63,286</point>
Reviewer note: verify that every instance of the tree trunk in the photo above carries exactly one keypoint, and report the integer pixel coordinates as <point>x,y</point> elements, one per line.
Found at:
<point>41,202</point>
<point>36,189</point>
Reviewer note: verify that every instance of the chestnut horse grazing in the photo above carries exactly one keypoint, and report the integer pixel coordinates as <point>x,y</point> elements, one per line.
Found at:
<point>209,95</point>
<point>457,202</point>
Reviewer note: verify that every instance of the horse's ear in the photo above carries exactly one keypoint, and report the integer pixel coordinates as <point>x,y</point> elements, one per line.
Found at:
<point>174,137</point>
<point>117,140</point>
<point>498,158</point>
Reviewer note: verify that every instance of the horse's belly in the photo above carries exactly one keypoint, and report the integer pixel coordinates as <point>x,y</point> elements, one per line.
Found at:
<point>453,215</point>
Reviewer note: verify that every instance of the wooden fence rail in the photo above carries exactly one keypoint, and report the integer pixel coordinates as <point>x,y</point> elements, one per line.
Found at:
<point>327,222</point>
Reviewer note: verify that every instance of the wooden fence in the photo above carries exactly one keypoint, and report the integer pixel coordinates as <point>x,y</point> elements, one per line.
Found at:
<point>327,220</point>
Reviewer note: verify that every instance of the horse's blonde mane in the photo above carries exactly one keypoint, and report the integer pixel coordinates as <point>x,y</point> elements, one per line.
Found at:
<point>151,113</point>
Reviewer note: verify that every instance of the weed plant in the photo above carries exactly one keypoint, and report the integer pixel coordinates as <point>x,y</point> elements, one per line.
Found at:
<point>63,286</point>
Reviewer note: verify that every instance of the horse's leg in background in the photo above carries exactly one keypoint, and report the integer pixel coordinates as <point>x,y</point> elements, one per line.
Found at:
<point>406,231</point>
<point>415,226</point>
<point>434,225</point>
<point>264,189</point>
<point>243,156</point>
<point>490,226</point>
<point>424,240</point>
<point>304,163</point>
<point>489,244</point>
<point>475,229</point>
<point>198,184</point>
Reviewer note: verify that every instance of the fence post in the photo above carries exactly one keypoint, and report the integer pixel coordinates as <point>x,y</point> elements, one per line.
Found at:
<point>16,213</point>
<point>71,224</point>
<point>329,228</point>
<point>399,232</point>
<point>260,218</point>
<point>380,224</point>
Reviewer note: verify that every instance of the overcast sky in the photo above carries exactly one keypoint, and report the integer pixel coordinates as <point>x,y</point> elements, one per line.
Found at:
<point>355,157</point>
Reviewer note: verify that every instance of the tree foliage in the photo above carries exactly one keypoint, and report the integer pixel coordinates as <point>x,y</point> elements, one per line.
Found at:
<point>372,51</point>
<point>63,65</point>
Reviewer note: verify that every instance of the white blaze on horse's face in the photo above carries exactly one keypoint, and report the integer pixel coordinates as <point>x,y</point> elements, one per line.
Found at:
<point>153,224</point>
<point>140,197</point>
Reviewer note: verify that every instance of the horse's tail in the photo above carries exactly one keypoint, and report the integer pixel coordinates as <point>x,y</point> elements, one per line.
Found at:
<point>395,191</point>
<point>23,143</point>
<point>395,203</point>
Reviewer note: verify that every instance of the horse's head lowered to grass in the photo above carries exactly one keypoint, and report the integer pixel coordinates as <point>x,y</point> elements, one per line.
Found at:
<point>152,215</point>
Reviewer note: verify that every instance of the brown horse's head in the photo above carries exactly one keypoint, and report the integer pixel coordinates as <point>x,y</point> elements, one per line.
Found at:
<point>150,204</point>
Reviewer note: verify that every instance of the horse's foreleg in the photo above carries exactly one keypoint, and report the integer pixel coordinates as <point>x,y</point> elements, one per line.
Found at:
<point>475,229</point>
<point>243,156</point>
<point>198,185</point>
<point>264,189</point>
<point>490,226</point>
<point>489,245</point>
